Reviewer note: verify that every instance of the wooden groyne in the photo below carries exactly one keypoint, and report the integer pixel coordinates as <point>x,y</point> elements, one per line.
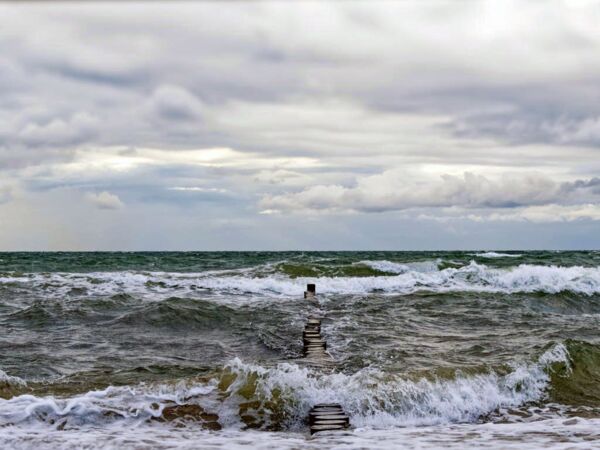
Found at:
<point>311,290</point>
<point>323,416</point>
<point>315,348</point>
<point>327,417</point>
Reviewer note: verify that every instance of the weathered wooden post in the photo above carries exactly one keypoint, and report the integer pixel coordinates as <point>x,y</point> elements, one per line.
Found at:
<point>327,417</point>
<point>311,290</point>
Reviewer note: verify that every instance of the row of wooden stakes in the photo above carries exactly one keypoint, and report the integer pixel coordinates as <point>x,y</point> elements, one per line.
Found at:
<point>323,416</point>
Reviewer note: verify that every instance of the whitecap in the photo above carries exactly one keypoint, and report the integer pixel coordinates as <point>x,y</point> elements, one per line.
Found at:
<point>247,286</point>
<point>496,255</point>
<point>10,380</point>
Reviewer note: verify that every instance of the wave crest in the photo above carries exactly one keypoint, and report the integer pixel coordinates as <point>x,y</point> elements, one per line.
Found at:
<point>471,278</point>
<point>10,381</point>
<point>496,255</point>
<point>251,395</point>
<point>408,278</point>
<point>375,399</point>
<point>248,395</point>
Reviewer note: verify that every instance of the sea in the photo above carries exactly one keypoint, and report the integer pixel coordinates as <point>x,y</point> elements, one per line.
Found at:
<point>203,350</point>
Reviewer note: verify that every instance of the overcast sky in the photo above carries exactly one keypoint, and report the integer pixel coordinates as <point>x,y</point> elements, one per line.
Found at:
<point>300,125</point>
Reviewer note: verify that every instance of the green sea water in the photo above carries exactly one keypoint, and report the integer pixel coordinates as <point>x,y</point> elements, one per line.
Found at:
<point>162,342</point>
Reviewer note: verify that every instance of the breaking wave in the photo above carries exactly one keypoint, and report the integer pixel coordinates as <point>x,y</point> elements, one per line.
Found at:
<point>470,278</point>
<point>9,384</point>
<point>375,399</point>
<point>9,380</point>
<point>254,396</point>
<point>407,278</point>
<point>496,255</point>
<point>384,266</point>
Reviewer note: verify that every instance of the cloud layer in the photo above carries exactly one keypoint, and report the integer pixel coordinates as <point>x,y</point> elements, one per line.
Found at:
<point>396,190</point>
<point>210,125</point>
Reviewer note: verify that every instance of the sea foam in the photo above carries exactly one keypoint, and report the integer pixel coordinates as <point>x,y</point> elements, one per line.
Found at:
<point>557,433</point>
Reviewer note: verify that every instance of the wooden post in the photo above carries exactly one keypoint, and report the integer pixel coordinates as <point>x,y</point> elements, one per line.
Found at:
<point>311,290</point>
<point>327,417</point>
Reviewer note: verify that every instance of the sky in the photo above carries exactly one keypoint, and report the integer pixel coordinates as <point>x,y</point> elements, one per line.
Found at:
<point>415,125</point>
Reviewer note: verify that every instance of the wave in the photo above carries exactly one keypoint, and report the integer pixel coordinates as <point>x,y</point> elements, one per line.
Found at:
<point>130,404</point>
<point>9,380</point>
<point>385,266</point>
<point>279,397</point>
<point>496,255</point>
<point>407,279</point>
<point>471,278</point>
<point>375,399</point>
<point>179,313</point>
<point>10,385</point>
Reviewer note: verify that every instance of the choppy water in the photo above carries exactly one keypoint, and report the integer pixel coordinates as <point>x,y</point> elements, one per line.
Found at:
<point>203,350</point>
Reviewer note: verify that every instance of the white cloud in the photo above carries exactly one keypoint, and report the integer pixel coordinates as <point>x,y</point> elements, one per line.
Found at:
<point>552,213</point>
<point>93,162</point>
<point>105,200</point>
<point>398,189</point>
